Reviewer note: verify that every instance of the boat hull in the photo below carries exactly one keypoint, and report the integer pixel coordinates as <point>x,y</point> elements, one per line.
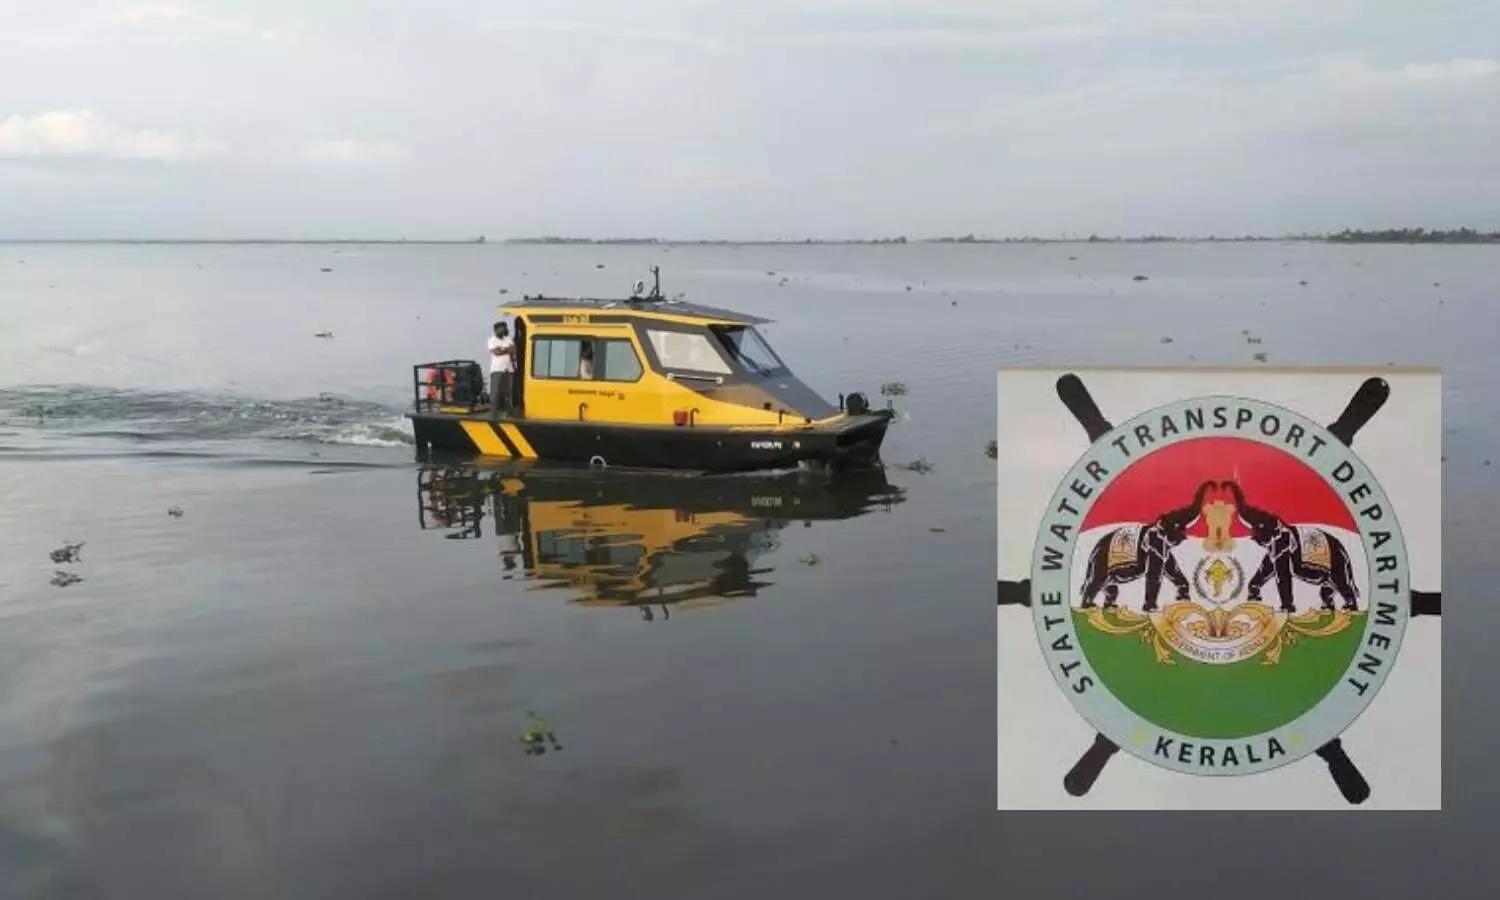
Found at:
<point>853,441</point>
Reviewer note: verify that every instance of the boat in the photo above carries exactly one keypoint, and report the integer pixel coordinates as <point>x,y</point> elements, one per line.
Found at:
<point>674,385</point>
<point>618,539</point>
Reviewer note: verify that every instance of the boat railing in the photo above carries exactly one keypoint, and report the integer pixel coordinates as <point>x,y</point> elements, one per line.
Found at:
<point>452,385</point>
<point>449,503</point>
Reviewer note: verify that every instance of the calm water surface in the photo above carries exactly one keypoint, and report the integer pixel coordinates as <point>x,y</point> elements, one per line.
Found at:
<point>313,681</point>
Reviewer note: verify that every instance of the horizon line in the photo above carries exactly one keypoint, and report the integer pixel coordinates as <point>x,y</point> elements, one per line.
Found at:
<point>970,238</point>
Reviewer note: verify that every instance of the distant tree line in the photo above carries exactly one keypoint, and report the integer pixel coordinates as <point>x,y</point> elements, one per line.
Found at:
<point>1347,236</point>
<point>1416,236</point>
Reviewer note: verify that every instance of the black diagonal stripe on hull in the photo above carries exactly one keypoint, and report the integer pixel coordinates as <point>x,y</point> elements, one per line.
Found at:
<point>510,445</point>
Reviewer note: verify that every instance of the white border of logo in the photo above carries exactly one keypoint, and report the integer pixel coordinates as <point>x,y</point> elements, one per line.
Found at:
<point>1388,601</point>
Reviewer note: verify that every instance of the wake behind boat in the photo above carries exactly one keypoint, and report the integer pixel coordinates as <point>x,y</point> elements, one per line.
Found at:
<point>643,382</point>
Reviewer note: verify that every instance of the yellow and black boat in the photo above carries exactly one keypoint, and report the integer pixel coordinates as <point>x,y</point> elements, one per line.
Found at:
<point>656,543</point>
<point>670,385</point>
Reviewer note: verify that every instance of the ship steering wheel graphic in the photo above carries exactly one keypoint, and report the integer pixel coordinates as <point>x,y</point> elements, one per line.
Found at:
<point>1367,400</point>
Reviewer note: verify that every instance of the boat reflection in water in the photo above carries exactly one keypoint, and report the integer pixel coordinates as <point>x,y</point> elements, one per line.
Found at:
<point>654,542</point>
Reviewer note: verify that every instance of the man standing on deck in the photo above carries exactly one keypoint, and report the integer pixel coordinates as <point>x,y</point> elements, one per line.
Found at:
<point>502,370</point>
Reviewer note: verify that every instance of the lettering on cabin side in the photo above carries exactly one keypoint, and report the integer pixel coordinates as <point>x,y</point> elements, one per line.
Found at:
<point>593,392</point>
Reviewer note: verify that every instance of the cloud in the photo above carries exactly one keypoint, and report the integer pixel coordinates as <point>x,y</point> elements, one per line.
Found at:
<point>148,15</point>
<point>1353,71</point>
<point>352,151</point>
<point>285,34</point>
<point>605,32</point>
<point>81,133</point>
<point>955,37</point>
<point>179,24</point>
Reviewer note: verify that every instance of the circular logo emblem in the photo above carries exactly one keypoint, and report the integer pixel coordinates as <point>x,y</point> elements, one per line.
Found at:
<point>1220,586</point>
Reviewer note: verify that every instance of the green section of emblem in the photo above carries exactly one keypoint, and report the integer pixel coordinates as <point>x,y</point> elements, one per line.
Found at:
<point>1211,700</point>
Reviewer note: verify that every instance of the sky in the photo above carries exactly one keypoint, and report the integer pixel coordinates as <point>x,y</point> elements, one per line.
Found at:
<point>759,119</point>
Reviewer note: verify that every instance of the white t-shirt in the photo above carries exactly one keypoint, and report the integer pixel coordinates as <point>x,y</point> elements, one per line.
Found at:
<point>503,362</point>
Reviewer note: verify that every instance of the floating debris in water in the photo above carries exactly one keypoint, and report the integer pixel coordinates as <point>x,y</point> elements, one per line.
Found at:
<point>892,389</point>
<point>938,529</point>
<point>1249,339</point>
<point>505,290</point>
<point>63,579</point>
<point>1166,340</point>
<point>772,274</point>
<point>1303,283</point>
<point>599,266</point>
<point>175,512</point>
<point>326,335</point>
<point>810,559</point>
<point>1140,278</point>
<point>326,269</point>
<point>919,465</point>
<point>908,287</point>
<point>67,553</point>
<point>538,736</point>
<point>1260,357</point>
<point>1073,259</point>
<point>1437,284</point>
<point>992,449</point>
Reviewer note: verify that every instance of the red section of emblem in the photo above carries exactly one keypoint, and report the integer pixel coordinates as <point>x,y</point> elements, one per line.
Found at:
<point>1168,478</point>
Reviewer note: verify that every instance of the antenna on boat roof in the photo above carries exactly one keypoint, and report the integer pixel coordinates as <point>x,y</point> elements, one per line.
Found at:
<point>655,295</point>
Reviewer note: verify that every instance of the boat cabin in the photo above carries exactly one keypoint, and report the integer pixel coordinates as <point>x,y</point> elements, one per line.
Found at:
<point>640,361</point>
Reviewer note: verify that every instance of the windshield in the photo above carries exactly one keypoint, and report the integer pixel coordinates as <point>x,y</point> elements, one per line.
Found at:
<point>746,345</point>
<point>687,350</point>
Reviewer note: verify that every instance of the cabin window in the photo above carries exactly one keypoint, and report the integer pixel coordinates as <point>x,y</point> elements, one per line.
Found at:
<point>555,357</point>
<point>615,360</point>
<point>582,358</point>
<point>687,350</point>
<point>568,548</point>
<point>550,548</point>
<point>746,345</point>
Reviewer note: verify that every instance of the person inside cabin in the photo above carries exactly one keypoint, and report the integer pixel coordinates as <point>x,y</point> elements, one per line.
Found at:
<point>586,361</point>
<point>502,370</point>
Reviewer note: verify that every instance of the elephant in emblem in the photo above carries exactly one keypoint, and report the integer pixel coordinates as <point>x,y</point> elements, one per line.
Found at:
<point>1304,553</point>
<point>1130,552</point>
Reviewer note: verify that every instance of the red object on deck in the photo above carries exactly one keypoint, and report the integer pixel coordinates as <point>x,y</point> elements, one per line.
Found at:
<point>679,417</point>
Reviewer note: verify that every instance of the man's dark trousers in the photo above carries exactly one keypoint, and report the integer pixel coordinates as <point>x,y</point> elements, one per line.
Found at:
<point>500,393</point>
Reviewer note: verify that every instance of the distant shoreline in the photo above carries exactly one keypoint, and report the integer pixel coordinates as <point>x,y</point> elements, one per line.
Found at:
<point>1384,236</point>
